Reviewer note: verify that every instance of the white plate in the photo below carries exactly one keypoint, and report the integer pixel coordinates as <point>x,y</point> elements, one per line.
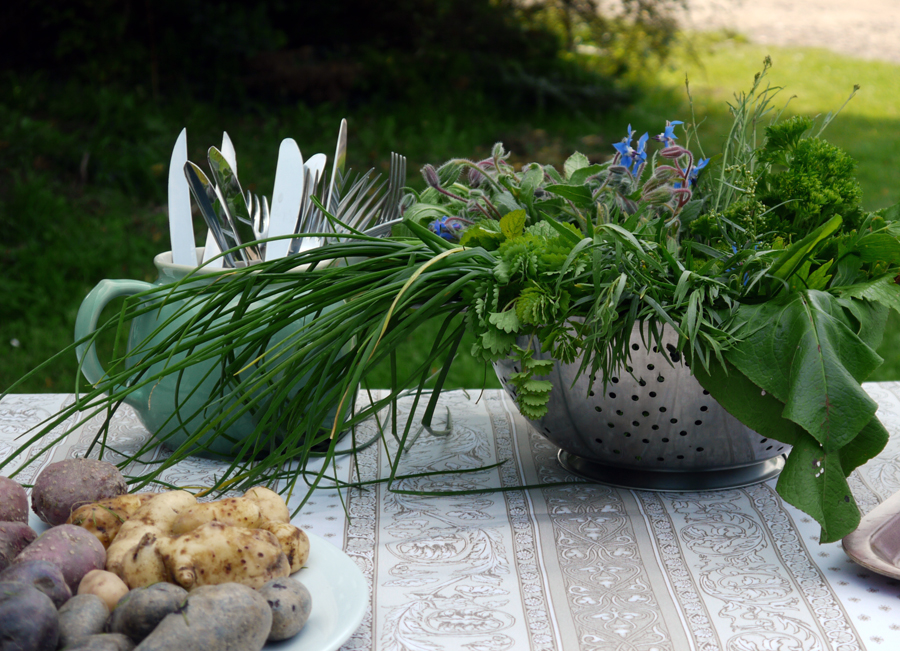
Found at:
<point>340,596</point>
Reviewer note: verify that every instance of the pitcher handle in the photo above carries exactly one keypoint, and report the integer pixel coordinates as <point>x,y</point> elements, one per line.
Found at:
<point>89,315</point>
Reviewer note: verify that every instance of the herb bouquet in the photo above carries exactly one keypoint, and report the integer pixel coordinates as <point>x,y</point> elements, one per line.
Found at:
<point>758,259</point>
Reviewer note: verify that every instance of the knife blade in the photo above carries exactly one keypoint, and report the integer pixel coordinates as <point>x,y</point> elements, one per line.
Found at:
<point>181,227</point>
<point>337,166</point>
<point>212,210</point>
<point>228,152</point>
<point>286,198</point>
<point>234,202</point>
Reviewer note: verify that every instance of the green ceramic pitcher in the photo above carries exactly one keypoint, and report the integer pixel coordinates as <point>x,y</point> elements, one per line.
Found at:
<point>156,402</point>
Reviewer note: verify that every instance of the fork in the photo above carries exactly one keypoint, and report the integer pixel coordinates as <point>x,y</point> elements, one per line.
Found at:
<point>396,181</point>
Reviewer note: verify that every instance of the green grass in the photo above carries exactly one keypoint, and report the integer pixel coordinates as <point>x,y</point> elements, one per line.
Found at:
<point>63,232</point>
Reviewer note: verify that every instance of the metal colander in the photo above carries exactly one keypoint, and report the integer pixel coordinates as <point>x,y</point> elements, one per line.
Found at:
<point>654,426</point>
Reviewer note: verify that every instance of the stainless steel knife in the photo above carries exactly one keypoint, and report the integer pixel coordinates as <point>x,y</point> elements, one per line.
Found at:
<point>286,198</point>
<point>181,227</point>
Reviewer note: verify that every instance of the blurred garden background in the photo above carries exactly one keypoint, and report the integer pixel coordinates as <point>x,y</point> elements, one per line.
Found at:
<point>93,94</point>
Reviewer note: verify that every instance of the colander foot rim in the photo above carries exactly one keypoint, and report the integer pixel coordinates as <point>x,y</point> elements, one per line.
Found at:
<point>672,480</point>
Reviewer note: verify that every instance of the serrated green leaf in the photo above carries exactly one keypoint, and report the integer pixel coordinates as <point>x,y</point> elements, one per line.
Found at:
<point>538,386</point>
<point>497,342</point>
<point>506,321</point>
<point>574,163</point>
<point>539,366</point>
<point>478,235</point>
<point>533,400</point>
<point>513,224</point>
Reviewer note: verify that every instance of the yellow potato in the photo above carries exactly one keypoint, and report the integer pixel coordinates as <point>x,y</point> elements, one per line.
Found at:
<point>104,518</point>
<point>106,585</point>
<point>271,505</point>
<point>133,554</point>
<point>217,553</point>
<point>294,542</point>
<point>236,511</point>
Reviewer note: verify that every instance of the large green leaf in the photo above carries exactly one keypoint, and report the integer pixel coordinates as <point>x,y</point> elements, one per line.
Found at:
<point>754,407</point>
<point>813,480</point>
<point>804,352</point>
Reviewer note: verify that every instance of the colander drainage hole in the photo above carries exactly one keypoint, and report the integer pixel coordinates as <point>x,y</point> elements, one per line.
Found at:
<point>704,408</point>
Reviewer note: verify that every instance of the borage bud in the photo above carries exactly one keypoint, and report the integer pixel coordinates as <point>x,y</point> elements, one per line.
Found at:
<point>658,196</point>
<point>431,177</point>
<point>673,152</point>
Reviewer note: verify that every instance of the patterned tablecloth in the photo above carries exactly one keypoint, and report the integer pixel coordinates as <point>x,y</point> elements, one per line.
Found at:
<point>578,566</point>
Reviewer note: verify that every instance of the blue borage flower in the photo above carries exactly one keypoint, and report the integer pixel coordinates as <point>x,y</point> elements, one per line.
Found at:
<point>630,157</point>
<point>668,135</point>
<point>694,172</point>
<point>450,228</point>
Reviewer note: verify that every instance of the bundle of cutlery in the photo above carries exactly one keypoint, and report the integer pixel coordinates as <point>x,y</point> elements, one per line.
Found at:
<point>244,228</point>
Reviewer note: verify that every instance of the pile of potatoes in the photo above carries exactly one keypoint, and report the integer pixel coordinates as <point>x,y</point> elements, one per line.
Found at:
<point>148,571</point>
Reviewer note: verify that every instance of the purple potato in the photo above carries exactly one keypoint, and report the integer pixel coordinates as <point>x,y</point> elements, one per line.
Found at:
<point>142,609</point>
<point>214,617</point>
<point>291,604</point>
<point>74,550</point>
<point>102,642</point>
<point>28,619</point>
<point>83,615</point>
<point>13,501</point>
<point>14,537</point>
<point>43,575</point>
<point>63,486</point>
